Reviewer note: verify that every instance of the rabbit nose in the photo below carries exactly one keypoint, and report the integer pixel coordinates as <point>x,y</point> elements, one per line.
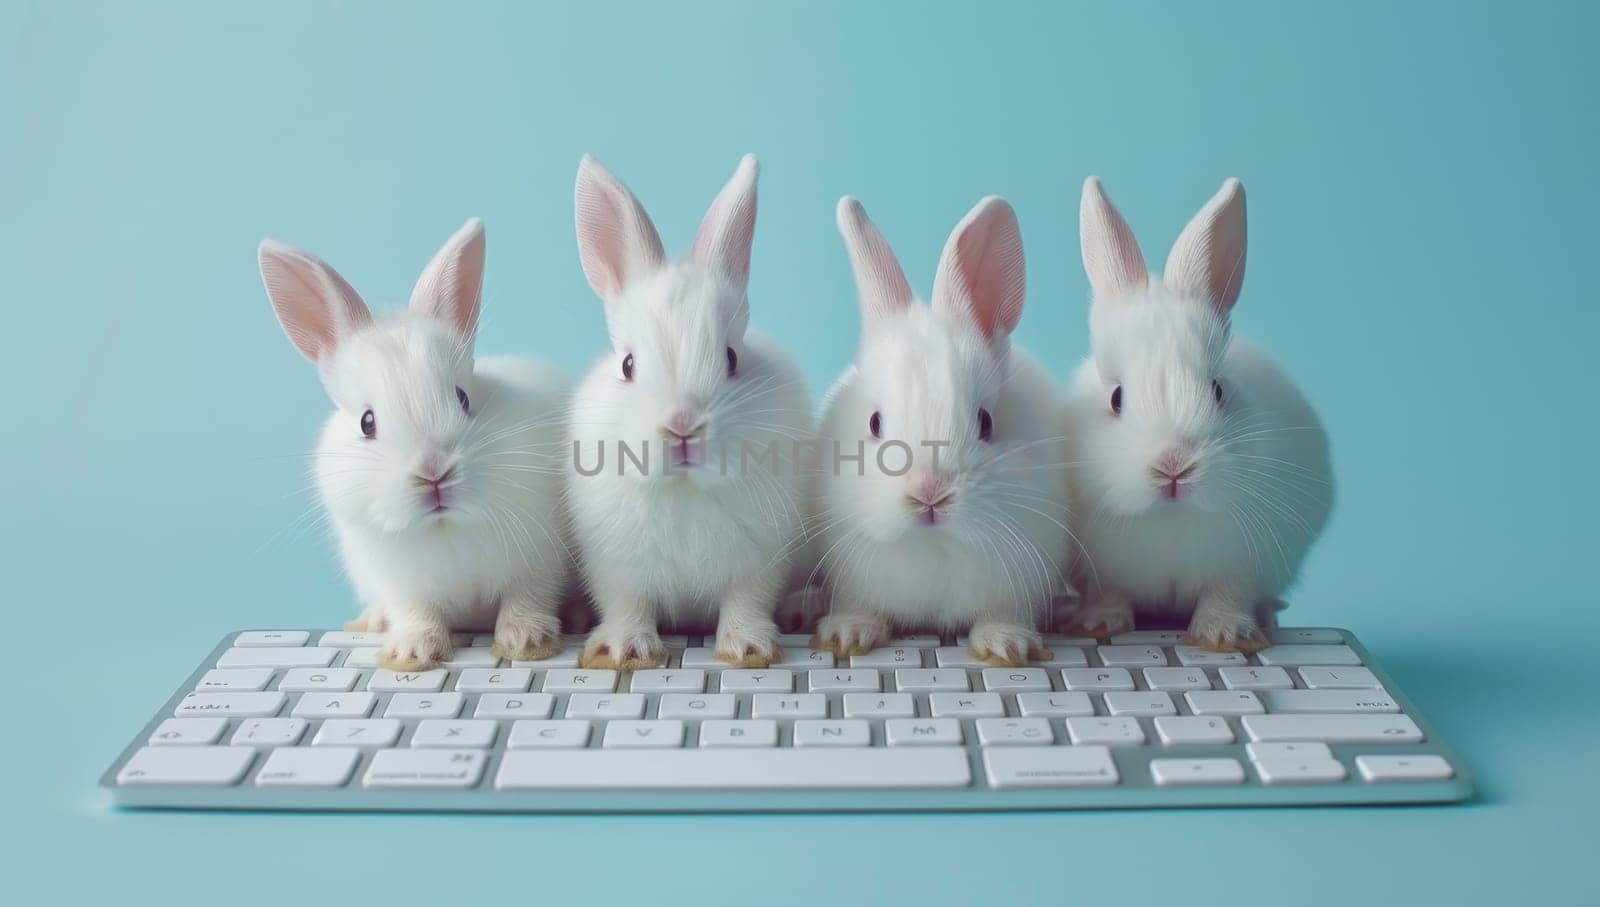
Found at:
<point>1176,462</point>
<point>433,470</point>
<point>685,422</point>
<point>931,489</point>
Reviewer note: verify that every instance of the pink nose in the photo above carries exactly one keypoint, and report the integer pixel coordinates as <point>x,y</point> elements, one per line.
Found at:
<point>432,469</point>
<point>1175,463</point>
<point>684,421</point>
<point>931,489</point>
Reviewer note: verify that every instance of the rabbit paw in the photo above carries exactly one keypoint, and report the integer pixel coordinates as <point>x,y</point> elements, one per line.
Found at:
<point>370,621</point>
<point>416,649</point>
<point>1106,617</point>
<point>851,634</point>
<point>1006,645</point>
<point>748,647</point>
<point>1226,630</point>
<point>623,648</point>
<point>525,637</point>
<point>801,610</point>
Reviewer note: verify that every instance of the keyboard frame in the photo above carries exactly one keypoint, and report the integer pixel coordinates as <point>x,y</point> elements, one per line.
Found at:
<point>1134,791</point>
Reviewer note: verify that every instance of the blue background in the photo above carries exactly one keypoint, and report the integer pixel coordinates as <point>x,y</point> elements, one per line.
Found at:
<point>1422,197</point>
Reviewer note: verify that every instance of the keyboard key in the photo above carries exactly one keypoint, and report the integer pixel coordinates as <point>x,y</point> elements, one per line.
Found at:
<point>1131,656</point>
<point>1149,638</point>
<point>1267,752</point>
<point>344,639</point>
<point>1049,766</point>
<point>925,679</point>
<point>697,705</point>
<point>928,641</point>
<point>1052,640</point>
<point>1301,635</point>
<point>1177,679</point>
<point>385,681</point>
<point>188,732</point>
<point>209,766</point>
<point>802,657</point>
<point>365,658</point>
<point>327,766</point>
<point>1184,730</point>
<point>1141,704</point>
<point>1170,772</point>
<point>792,705</point>
<point>1329,701</point>
<point>1014,731</point>
<point>879,705</point>
<point>730,734</point>
<point>1339,679</point>
<point>334,705</point>
<point>832,733</point>
<point>1065,657</point>
<point>424,705</point>
<point>1107,731</point>
<point>701,657</point>
<point>358,732</point>
<point>495,680</point>
<point>1195,657</point>
<point>922,732</point>
<point>1333,728</point>
<point>1016,679</point>
<point>1055,705</point>
<point>794,640</point>
<point>291,657</point>
<point>745,769</point>
<point>757,680</point>
<point>1308,655</point>
<point>669,680</point>
<point>1097,679</point>
<point>894,657</point>
<point>1404,768</point>
<point>652,734</point>
<point>1223,702</point>
<point>275,638</point>
<point>957,657</point>
<point>1300,771</point>
<point>566,658</point>
<point>426,768</point>
<point>471,733</point>
<point>966,705</point>
<point>234,705</point>
<point>606,705</point>
<point>537,734</point>
<point>567,680</point>
<point>514,705</point>
<point>860,680</point>
<point>269,732</point>
<point>1255,678</point>
<point>234,680</point>
<point>331,680</point>
<point>473,657</point>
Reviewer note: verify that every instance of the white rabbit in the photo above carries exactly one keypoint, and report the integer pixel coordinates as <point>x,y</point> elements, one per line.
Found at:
<point>1201,474</point>
<point>972,536</point>
<point>440,476</point>
<point>699,529</point>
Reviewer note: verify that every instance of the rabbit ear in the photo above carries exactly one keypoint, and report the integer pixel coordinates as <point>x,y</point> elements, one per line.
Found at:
<point>451,286</point>
<point>880,282</point>
<point>982,273</point>
<point>616,240</point>
<point>316,306</point>
<point>729,227</point>
<point>1208,258</point>
<point>1111,255</point>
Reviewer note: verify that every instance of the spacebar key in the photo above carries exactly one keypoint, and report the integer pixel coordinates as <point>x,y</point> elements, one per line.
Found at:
<point>734,769</point>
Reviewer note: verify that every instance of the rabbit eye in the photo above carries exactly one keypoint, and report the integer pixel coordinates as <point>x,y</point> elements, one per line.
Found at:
<point>461,395</point>
<point>1216,391</point>
<point>1116,399</point>
<point>733,362</point>
<point>369,424</point>
<point>875,425</point>
<point>985,425</point>
<point>627,367</point>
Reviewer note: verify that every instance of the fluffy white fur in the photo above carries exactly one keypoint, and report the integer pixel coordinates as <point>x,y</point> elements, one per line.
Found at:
<point>994,553</point>
<point>1220,543</point>
<point>714,537</point>
<point>487,538</point>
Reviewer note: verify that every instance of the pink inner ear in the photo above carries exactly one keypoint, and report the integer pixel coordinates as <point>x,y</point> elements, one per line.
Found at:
<point>314,304</point>
<point>1208,258</point>
<point>617,242</point>
<point>729,227</point>
<point>451,286</point>
<point>880,281</point>
<point>1111,255</point>
<point>983,271</point>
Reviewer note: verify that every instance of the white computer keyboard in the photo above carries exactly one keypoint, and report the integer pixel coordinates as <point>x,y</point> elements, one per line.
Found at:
<point>295,719</point>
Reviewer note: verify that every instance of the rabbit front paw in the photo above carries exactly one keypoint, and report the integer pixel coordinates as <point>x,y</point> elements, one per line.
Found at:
<point>1102,618</point>
<point>1226,630</point>
<point>1006,645</point>
<point>416,649</point>
<point>851,634</point>
<point>623,647</point>
<point>521,636</point>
